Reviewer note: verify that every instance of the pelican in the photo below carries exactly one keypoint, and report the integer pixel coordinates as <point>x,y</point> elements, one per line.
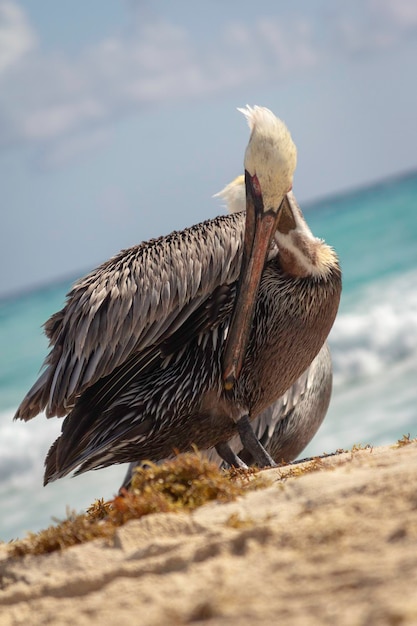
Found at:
<point>288,425</point>
<point>185,339</point>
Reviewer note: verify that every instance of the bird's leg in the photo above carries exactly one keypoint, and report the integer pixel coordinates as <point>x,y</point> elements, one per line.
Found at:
<point>252,444</point>
<point>226,453</point>
<point>128,477</point>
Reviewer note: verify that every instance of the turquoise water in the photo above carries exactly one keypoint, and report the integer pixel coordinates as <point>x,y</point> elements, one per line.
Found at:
<point>373,342</point>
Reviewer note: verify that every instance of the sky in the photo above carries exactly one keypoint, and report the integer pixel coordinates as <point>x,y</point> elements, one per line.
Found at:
<point>118,119</point>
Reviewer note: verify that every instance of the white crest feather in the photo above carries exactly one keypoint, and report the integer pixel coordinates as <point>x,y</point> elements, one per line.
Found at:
<point>257,115</point>
<point>271,154</point>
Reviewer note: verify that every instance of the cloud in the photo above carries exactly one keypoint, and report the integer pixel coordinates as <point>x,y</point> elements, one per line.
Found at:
<point>65,150</point>
<point>51,97</point>
<point>50,101</point>
<point>400,14</point>
<point>383,24</point>
<point>290,46</point>
<point>60,118</point>
<point>16,36</point>
<point>47,99</point>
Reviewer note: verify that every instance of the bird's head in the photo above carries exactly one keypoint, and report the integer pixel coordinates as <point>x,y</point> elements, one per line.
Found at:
<point>270,159</point>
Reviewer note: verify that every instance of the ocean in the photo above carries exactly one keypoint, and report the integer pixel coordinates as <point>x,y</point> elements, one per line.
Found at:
<point>373,343</point>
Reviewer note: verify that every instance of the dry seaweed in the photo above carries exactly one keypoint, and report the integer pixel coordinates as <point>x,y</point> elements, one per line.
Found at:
<point>358,447</point>
<point>183,483</point>
<point>404,441</point>
<point>312,465</point>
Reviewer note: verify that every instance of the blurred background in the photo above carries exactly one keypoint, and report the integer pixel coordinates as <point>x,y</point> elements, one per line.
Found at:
<point>118,123</point>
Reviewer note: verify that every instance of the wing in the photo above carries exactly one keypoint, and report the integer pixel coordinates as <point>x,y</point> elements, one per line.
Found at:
<point>130,303</point>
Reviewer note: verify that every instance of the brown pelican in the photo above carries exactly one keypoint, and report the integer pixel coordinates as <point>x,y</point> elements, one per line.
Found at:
<point>182,340</point>
<point>288,425</point>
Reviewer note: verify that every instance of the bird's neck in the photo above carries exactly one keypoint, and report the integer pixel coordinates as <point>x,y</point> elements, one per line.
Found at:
<point>300,253</point>
<point>302,258</point>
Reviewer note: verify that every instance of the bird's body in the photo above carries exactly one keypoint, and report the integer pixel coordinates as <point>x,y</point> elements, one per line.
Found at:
<point>287,426</point>
<point>143,358</point>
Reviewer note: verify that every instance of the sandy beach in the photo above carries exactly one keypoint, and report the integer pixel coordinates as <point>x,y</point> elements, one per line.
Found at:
<point>336,545</point>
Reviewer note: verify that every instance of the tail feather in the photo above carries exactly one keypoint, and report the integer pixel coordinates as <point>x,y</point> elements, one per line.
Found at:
<point>36,398</point>
<point>51,471</point>
<point>60,461</point>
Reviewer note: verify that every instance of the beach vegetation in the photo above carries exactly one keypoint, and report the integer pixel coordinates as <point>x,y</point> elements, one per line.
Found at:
<point>183,483</point>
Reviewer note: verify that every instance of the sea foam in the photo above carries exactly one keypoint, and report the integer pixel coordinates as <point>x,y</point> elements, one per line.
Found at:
<point>377,331</point>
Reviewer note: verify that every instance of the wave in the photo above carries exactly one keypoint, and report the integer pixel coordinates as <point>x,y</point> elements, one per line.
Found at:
<point>23,446</point>
<point>376,331</point>
<point>30,506</point>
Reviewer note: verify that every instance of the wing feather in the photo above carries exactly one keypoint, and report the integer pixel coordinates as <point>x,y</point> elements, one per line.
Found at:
<point>129,304</point>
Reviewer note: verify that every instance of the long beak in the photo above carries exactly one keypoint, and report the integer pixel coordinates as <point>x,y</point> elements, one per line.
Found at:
<point>259,230</point>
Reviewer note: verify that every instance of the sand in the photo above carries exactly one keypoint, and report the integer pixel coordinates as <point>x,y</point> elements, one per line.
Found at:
<point>334,546</point>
